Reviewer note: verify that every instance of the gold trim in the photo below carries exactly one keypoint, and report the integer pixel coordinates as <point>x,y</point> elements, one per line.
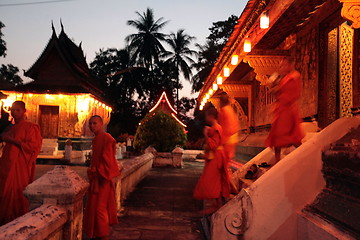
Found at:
<point>351,12</point>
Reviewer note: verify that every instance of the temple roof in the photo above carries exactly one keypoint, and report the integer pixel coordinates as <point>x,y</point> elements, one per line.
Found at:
<point>61,67</point>
<point>164,105</point>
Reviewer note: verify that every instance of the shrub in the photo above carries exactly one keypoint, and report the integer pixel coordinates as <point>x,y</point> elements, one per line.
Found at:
<point>161,131</point>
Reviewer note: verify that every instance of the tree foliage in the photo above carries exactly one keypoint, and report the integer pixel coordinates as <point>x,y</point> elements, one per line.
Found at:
<point>9,76</point>
<point>209,52</point>
<point>2,41</point>
<point>161,131</point>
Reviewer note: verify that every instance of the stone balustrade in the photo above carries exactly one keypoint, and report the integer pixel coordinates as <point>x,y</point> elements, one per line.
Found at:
<point>133,172</point>
<point>56,201</point>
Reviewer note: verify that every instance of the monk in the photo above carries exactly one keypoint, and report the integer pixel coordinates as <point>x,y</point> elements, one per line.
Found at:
<point>285,129</point>
<point>100,211</point>
<point>214,181</point>
<point>229,123</point>
<point>17,165</point>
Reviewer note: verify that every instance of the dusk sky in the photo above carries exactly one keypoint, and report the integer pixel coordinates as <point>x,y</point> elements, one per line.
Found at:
<point>100,24</point>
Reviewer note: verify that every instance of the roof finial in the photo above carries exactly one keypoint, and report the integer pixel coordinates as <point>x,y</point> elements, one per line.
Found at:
<point>52,26</point>
<point>62,26</point>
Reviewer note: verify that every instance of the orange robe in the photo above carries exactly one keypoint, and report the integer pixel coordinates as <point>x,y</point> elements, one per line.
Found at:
<point>230,125</point>
<point>100,211</point>
<point>214,181</point>
<point>17,169</point>
<point>285,129</point>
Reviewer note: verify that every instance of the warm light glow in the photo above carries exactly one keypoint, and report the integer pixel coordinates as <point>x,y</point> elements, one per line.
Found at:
<point>178,120</point>
<point>201,107</point>
<point>211,91</point>
<point>207,96</point>
<point>167,100</point>
<point>226,72</point>
<point>7,102</point>
<point>61,96</point>
<point>219,80</point>
<point>264,20</point>
<point>48,96</point>
<point>247,45</point>
<point>82,104</point>
<point>215,87</point>
<point>103,105</point>
<point>30,94</point>
<point>234,59</point>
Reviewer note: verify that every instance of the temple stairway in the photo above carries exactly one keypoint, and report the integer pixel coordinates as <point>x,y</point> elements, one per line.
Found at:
<point>278,204</point>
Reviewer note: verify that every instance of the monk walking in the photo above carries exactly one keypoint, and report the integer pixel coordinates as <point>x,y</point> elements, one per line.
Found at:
<point>17,165</point>
<point>100,211</point>
<point>214,182</point>
<point>285,129</point>
<point>229,123</point>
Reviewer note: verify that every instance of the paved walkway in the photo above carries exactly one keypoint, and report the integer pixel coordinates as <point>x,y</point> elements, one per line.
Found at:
<point>162,207</point>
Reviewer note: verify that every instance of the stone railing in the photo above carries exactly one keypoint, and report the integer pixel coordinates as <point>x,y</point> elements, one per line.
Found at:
<point>133,172</point>
<point>167,159</point>
<point>56,204</point>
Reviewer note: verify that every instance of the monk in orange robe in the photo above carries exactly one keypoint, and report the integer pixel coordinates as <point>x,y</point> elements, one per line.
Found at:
<point>17,165</point>
<point>100,211</point>
<point>214,181</point>
<point>285,129</point>
<point>230,125</point>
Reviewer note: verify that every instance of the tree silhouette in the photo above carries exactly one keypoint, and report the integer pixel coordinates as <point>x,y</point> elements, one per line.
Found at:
<point>146,44</point>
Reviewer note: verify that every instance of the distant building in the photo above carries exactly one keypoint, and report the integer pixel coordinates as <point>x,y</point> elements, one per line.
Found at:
<point>63,95</point>
<point>164,105</point>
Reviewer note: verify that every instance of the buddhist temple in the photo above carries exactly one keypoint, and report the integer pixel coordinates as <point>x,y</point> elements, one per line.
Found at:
<point>164,105</point>
<point>63,94</point>
<point>323,37</point>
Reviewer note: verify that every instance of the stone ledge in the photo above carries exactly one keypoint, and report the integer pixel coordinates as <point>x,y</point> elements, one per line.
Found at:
<point>134,164</point>
<point>41,223</point>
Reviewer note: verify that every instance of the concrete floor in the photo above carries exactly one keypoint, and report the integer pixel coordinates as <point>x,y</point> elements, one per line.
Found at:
<point>162,207</point>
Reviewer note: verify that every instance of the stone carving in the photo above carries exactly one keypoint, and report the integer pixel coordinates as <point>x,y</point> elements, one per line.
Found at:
<point>236,222</point>
<point>346,37</point>
<point>351,12</point>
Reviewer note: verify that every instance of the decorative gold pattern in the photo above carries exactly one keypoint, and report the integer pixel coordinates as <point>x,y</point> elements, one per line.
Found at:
<point>346,37</point>
<point>351,12</point>
<point>237,90</point>
<point>331,74</point>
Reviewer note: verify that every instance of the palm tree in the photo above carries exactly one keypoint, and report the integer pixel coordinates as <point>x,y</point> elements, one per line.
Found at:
<point>146,44</point>
<point>180,55</point>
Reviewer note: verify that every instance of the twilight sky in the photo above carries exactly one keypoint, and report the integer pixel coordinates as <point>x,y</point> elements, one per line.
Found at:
<point>101,23</point>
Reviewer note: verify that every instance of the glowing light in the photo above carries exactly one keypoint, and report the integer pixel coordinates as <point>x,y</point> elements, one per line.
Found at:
<point>215,87</point>
<point>103,105</point>
<point>247,45</point>
<point>234,59</point>
<point>163,95</point>
<point>211,91</point>
<point>30,95</point>
<point>7,102</point>
<point>82,104</point>
<point>178,120</point>
<point>264,20</point>
<point>201,107</point>
<point>219,80</point>
<point>207,96</point>
<point>226,72</point>
<point>61,96</point>
<point>48,96</point>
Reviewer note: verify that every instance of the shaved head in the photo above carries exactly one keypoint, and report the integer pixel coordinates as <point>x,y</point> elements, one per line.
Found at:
<point>20,104</point>
<point>97,116</point>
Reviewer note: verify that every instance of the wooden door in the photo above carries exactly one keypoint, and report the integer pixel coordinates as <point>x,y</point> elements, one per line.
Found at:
<point>49,121</point>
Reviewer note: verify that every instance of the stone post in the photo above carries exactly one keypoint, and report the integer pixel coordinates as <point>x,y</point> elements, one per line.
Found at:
<point>63,187</point>
<point>177,154</point>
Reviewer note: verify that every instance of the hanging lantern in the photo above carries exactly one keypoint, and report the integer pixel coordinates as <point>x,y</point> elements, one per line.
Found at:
<point>247,45</point>
<point>215,87</point>
<point>219,80</point>
<point>207,96</point>
<point>211,91</point>
<point>264,20</point>
<point>201,107</point>
<point>234,60</point>
<point>226,72</point>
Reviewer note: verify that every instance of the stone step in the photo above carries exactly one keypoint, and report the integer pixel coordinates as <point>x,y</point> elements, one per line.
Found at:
<point>313,227</point>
